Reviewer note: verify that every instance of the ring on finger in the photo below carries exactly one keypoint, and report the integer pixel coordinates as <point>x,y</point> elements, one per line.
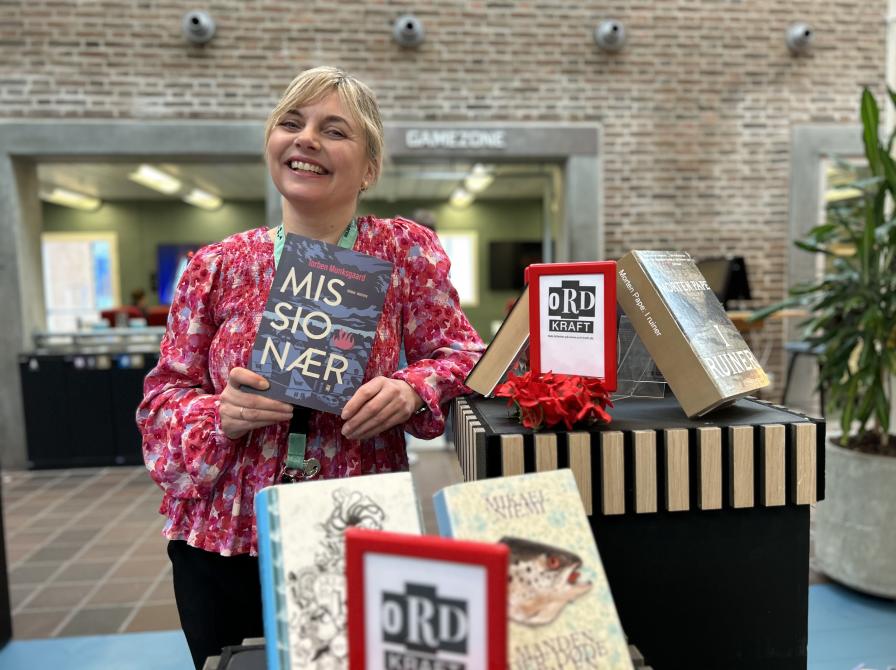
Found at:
<point>242,416</point>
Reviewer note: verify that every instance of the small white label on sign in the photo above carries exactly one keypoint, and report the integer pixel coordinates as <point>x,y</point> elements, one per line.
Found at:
<point>571,322</point>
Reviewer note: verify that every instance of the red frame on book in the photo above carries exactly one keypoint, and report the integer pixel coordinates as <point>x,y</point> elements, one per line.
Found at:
<point>360,543</point>
<point>535,272</point>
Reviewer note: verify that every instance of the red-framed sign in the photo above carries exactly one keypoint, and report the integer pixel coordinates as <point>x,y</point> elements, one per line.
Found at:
<point>424,601</point>
<point>572,319</point>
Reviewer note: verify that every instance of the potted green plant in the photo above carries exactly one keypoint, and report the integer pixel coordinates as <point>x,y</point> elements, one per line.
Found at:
<point>852,327</point>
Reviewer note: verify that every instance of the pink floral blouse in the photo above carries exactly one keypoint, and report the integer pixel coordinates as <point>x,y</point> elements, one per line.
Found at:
<point>209,481</point>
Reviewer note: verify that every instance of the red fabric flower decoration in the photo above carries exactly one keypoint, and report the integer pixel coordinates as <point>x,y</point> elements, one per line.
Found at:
<point>546,400</point>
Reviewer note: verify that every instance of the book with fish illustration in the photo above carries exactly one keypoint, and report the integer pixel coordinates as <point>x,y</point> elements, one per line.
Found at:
<point>560,609</point>
<point>318,324</point>
<point>301,554</point>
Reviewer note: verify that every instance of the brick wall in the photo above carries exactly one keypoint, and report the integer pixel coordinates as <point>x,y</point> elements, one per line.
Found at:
<point>697,111</point>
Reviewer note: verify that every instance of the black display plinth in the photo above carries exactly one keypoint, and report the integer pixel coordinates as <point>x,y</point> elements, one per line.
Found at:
<point>80,408</point>
<point>702,525</point>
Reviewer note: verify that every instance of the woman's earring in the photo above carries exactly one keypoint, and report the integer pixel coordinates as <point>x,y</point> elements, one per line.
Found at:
<point>363,186</point>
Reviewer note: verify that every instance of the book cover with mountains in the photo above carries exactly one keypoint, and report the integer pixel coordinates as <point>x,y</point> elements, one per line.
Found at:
<point>560,610</point>
<point>301,551</point>
<point>685,328</point>
<point>319,322</point>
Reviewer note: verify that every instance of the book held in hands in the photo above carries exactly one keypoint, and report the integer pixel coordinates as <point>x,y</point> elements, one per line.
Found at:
<point>686,330</point>
<point>560,609</point>
<point>318,324</point>
<point>301,551</point>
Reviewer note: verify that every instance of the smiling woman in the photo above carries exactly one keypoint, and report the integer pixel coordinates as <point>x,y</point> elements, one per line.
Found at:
<point>316,156</point>
<point>211,446</point>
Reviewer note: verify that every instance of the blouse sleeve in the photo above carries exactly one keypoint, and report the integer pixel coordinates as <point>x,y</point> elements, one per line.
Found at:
<point>183,446</point>
<point>441,345</point>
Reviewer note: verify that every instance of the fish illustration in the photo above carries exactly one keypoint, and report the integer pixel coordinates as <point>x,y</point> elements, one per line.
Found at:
<point>542,580</point>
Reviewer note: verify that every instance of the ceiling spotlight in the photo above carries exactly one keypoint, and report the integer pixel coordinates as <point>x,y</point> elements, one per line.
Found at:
<point>799,38</point>
<point>408,31</point>
<point>461,198</point>
<point>198,27</point>
<point>610,35</point>
<point>479,179</point>
<point>66,198</point>
<point>203,199</point>
<point>150,177</point>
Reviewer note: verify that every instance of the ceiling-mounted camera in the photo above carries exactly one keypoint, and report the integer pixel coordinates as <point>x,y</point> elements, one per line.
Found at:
<point>408,31</point>
<point>198,27</point>
<point>610,35</point>
<point>799,38</point>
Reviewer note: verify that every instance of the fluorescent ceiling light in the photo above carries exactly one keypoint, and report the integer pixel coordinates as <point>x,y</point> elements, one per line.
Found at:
<point>461,198</point>
<point>150,177</point>
<point>203,199</point>
<point>62,196</point>
<point>479,179</point>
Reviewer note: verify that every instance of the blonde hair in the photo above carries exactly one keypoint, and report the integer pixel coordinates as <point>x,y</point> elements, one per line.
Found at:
<point>314,85</point>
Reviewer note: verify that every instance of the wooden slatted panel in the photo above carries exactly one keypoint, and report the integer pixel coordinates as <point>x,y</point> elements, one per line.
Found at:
<point>512,459</point>
<point>545,451</point>
<point>475,426</point>
<point>709,445</point>
<point>470,440</point>
<point>474,451</point>
<point>773,473</point>
<point>804,464</point>
<point>645,471</point>
<point>740,464</point>
<point>612,472</point>
<point>579,447</point>
<point>467,443</point>
<point>678,492</point>
<point>460,431</point>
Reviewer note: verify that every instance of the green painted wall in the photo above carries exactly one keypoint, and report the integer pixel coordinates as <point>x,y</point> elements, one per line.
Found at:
<point>143,225</point>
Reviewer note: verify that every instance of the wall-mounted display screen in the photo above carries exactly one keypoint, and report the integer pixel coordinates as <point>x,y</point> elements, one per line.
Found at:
<point>172,261</point>
<point>507,261</point>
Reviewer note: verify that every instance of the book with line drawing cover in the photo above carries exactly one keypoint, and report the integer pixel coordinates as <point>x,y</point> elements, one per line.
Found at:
<point>319,322</point>
<point>301,552</point>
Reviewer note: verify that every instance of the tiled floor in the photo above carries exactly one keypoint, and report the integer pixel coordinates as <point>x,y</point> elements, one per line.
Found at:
<point>85,554</point>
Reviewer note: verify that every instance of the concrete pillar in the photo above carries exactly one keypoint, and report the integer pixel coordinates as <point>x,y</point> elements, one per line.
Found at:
<point>21,294</point>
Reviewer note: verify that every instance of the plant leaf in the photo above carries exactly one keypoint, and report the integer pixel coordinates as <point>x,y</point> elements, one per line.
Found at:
<point>870,122</point>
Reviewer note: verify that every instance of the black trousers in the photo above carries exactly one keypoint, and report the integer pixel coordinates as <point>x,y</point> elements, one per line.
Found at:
<point>218,599</point>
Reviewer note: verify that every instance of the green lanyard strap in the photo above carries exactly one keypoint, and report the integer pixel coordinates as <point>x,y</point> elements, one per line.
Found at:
<point>297,466</point>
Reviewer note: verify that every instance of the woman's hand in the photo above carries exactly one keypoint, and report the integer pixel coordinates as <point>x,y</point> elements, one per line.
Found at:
<point>241,412</point>
<point>377,406</point>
